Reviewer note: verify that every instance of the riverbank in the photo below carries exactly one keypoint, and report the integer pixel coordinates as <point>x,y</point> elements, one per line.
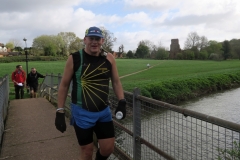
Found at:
<point>175,91</point>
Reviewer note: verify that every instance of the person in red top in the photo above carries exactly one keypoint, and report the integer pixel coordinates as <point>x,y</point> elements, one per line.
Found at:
<point>19,80</point>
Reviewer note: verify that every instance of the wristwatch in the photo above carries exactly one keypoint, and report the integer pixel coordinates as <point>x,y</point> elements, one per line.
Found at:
<point>61,110</point>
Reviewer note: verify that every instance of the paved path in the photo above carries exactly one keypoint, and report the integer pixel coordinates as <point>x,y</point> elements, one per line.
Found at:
<point>137,72</point>
<point>30,133</point>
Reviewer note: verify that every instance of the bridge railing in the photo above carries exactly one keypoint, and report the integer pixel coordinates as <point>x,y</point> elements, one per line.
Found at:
<point>157,130</point>
<point>4,98</point>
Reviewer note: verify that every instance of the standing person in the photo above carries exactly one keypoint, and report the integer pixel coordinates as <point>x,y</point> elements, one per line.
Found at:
<point>90,70</point>
<point>19,79</point>
<point>32,82</point>
<point>148,65</point>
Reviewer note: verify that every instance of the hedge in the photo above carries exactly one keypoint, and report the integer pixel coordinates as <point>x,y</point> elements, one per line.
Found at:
<point>175,91</point>
<point>31,58</point>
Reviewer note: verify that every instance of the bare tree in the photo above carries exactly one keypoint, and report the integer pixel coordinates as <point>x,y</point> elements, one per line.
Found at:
<point>109,39</point>
<point>16,42</point>
<point>203,42</point>
<point>160,45</point>
<point>192,40</point>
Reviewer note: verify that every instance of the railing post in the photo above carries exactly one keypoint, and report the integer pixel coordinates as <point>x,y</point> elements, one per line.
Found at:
<point>59,80</point>
<point>42,87</point>
<point>7,96</point>
<point>51,87</point>
<point>1,107</point>
<point>136,125</point>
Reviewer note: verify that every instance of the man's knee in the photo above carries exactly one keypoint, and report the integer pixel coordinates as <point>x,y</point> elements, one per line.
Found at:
<point>86,151</point>
<point>106,146</point>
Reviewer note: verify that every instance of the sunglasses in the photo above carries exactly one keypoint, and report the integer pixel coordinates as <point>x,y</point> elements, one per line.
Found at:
<point>94,38</point>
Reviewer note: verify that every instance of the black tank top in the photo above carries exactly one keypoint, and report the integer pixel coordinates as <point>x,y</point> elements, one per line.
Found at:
<point>91,77</point>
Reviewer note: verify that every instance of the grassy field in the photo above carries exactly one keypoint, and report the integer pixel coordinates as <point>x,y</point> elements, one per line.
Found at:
<point>43,67</point>
<point>179,69</point>
<point>161,70</point>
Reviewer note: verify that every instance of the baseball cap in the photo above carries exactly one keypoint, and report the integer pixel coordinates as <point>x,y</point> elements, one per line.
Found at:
<point>94,31</point>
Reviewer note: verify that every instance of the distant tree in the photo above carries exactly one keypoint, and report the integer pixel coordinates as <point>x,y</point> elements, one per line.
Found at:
<point>179,56</point>
<point>150,46</point>
<point>129,54</point>
<point>16,42</point>
<point>213,47</point>
<point>202,43</point>
<point>235,47</point>
<point>148,43</point>
<point>215,56</point>
<point>188,54</point>
<point>195,51</point>
<point>68,38</point>
<point>237,51</point>
<point>124,54</point>
<point>76,45</point>
<point>161,53</point>
<point>109,39</point>
<point>142,51</point>
<point>50,50</point>
<point>203,55</point>
<point>226,48</point>
<point>192,40</point>
<point>18,48</point>
<point>10,45</point>
<point>42,42</point>
<point>60,44</point>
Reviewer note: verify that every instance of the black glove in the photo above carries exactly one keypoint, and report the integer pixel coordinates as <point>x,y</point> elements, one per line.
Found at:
<point>60,122</point>
<point>121,107</point>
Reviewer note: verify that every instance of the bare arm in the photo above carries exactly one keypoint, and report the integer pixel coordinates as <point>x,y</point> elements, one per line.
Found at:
<point>65,82</point>
<point>116,83</point>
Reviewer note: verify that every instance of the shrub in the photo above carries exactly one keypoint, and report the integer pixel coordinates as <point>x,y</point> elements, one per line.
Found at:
<point>174,91</point>
<point>215,56</point>
<point>225,154</point>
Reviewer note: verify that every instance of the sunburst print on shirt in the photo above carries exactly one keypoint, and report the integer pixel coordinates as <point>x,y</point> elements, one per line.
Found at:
<point>93,84</point>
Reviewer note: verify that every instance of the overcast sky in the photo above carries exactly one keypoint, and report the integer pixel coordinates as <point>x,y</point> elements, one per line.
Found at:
<point>129,20</point>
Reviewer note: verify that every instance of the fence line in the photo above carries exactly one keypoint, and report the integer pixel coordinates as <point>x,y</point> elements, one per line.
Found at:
<point>157,130</point>
<point>4,98</point>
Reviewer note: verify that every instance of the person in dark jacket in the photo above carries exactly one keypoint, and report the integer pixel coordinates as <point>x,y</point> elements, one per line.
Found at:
<point>32,81</point>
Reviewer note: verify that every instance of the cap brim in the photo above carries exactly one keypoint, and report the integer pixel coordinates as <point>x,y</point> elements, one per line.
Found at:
<point>97,35</point>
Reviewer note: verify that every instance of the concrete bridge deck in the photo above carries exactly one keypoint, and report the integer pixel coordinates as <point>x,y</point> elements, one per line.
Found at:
<point>30,133</point>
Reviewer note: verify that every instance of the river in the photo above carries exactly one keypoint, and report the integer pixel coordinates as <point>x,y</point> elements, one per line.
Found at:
<point>155,128</point>
<point>224,105</point>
